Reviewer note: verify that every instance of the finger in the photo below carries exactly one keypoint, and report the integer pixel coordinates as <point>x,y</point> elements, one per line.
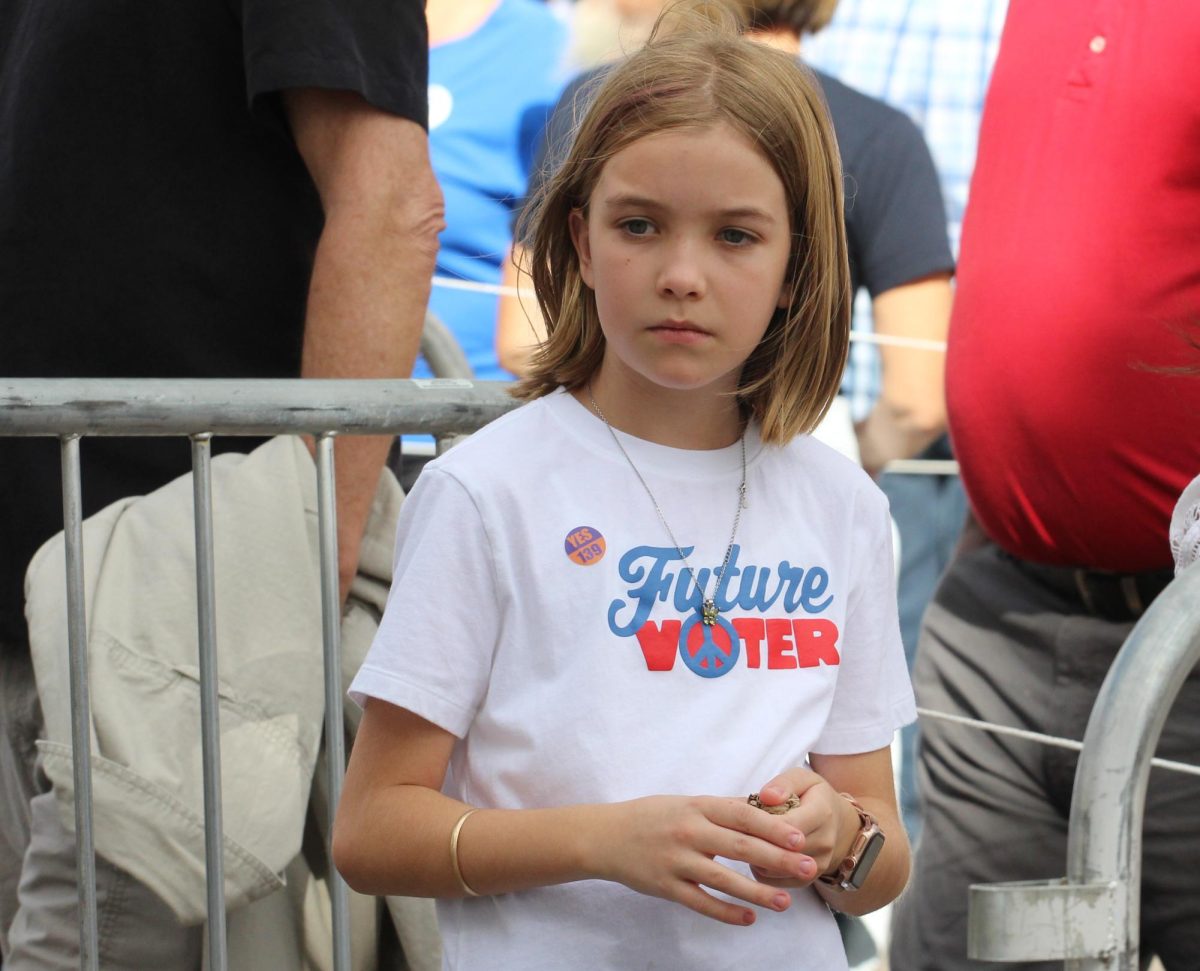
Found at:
<point>809,818</point>
<point>785,884</point>
<point>692,897</point>
<point>807,779</point>
<point>782,880</point>
<point>796,779</point>
<point>741,817</point>
<point>818,821</point>
<point>802,874</point>
<point>787,863</point>
<point>716,876</point>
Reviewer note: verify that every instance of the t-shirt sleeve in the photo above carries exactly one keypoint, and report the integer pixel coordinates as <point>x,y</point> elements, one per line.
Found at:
<point>433,651</point>
<point>378,48</point>
<point>895,203</point>
<point>873,696</point>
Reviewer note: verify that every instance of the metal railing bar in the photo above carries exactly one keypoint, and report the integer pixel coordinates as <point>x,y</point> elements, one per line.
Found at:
<point>106,406</point>
<point>922,467</point>
<point>210,729</point>
<point>438,406</point>
<point>81,716</point>
<point>1170,765</point>
<point>1108,802</point>
<point>335,740</point>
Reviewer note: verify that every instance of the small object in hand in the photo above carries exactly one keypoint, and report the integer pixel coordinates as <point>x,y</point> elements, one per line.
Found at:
<point>790,803</point>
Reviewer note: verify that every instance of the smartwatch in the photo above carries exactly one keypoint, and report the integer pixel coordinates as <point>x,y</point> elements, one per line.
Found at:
<point>852,872</point>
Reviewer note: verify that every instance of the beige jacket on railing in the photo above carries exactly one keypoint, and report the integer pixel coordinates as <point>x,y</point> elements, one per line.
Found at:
<point>140,589</point>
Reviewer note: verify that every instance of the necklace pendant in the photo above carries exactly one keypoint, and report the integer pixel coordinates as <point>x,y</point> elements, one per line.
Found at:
<point>708,613</point>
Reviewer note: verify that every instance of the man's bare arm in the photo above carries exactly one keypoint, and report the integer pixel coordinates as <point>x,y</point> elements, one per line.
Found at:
<point>372,271</point>
<point>911,411</point>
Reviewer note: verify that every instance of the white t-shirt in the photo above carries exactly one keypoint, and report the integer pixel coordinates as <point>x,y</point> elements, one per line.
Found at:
<point>537,612</point>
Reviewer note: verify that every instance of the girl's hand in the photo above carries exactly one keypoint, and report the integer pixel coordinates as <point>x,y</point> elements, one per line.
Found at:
<point>665,846</point>
<point>828,822</point>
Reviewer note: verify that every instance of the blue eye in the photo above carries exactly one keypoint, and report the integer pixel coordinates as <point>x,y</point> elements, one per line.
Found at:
<point>736,237</point>
<point>637,227</point>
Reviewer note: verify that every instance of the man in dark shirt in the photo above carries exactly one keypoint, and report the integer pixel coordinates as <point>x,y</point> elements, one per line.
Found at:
<point>189,190</point>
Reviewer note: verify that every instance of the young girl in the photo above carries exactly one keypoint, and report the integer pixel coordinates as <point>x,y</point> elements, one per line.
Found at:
<point>623,607</point>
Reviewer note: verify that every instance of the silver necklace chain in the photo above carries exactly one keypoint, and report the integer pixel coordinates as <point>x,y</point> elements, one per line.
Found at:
<point>708,608</point>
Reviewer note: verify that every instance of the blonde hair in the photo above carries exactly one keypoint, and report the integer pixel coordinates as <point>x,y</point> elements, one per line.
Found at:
<point>693,74</point>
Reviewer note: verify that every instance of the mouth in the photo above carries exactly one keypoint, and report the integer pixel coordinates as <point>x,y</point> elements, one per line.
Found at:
<point>679,327</point>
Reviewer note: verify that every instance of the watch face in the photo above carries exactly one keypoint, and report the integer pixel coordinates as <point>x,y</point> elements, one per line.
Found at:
<point>865,862</point>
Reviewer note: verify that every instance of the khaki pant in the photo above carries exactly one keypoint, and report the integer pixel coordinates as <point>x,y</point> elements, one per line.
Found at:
<point>39,898</point>
<point>20,717</point>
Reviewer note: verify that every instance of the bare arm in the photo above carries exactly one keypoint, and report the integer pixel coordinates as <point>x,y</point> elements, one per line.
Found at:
<point>830,824</point>
<point>911,411</point>
<point>519,324</point>
<point>392,833</point>
<point>372,271</point>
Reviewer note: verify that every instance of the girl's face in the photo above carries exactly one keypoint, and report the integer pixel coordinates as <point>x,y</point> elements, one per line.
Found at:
<point>685,244</point>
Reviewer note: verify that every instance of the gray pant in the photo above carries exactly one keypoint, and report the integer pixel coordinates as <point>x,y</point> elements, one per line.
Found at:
<point>39,899</point>
<point>1000,645</point>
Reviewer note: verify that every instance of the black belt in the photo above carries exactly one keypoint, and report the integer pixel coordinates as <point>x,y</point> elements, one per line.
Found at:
<point>1113,596</point>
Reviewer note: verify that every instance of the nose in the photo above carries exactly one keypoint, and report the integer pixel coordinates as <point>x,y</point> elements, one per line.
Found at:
<point>681,275</point>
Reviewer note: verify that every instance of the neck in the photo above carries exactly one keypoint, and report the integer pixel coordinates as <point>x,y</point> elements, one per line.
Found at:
<point>781,38</point>
<point>451,19</point>
<point>679,419</point>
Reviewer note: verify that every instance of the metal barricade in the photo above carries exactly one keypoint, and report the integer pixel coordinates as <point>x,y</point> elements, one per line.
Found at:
<point>1090,918</point>
<point>69,409</point>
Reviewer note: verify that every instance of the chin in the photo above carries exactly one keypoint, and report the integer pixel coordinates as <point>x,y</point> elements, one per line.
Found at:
<point>716,383</point>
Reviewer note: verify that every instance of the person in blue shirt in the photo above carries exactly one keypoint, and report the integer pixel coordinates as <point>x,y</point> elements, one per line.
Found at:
<point>495,70</point>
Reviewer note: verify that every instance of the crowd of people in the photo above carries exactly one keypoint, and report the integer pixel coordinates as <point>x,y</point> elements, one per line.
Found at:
<point>681,572</point>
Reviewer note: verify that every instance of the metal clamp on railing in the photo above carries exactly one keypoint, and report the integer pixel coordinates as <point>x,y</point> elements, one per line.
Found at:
<point>1090,919</point>
<point>1042,920</point>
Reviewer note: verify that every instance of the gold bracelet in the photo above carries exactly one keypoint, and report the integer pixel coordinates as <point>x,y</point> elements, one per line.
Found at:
<point>454,833</point>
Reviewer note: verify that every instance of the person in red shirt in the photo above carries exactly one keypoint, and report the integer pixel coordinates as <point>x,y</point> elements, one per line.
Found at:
<point>1075,432</point>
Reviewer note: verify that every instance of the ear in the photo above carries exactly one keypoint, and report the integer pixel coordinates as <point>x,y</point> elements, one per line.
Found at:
<point>578,224</point>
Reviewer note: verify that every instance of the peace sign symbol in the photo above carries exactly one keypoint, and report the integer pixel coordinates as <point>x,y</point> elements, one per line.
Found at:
<point>710,659</point>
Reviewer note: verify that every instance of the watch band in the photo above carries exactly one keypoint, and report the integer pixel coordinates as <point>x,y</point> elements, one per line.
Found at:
<point>852,872</point>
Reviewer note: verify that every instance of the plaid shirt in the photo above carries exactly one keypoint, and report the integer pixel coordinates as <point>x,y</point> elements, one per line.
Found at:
<point>931,59</point>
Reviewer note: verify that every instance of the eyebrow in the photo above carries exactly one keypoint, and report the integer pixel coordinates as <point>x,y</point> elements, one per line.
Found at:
<point>628,201</point>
